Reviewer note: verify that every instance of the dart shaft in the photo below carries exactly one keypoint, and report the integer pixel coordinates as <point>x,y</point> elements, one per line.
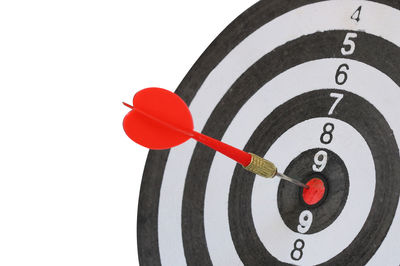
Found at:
<point>249,161</point>
<point>239,156</point>
<point>265,168</point>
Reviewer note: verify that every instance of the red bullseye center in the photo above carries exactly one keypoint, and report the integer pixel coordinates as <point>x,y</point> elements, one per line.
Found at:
<point>315,191</point>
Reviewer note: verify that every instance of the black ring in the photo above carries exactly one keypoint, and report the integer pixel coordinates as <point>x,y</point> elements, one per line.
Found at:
<point>290,200</point>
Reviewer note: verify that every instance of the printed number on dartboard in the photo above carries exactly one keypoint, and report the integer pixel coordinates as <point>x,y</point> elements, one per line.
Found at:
<point>321,157</point>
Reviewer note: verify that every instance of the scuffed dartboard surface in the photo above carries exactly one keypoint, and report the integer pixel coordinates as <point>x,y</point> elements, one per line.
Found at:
<point>312,86</point>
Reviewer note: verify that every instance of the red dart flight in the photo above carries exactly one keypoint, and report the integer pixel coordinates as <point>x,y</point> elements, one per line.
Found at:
<point>160,119</point>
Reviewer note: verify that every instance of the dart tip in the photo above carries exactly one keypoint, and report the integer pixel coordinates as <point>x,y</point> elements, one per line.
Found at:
<point>292,180</point>
<point>127,105</point>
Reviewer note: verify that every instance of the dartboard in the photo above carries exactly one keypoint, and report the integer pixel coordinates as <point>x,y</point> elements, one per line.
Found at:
<point>312,86</point>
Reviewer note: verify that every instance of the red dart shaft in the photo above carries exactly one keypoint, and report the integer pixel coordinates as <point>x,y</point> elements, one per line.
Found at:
<point>239,156</point>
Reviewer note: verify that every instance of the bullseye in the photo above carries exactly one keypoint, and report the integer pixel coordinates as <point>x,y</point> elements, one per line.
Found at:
<point>315,193</point>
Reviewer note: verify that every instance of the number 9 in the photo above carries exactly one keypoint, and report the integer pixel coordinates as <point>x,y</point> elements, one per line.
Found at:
<point>320,160</point>
<point>305,221</point>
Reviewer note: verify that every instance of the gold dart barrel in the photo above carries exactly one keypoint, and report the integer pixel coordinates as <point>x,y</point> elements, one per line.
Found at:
<point>265,168</point>
<point>261,167</point>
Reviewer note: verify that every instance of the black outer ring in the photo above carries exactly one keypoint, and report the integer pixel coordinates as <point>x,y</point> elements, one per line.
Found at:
<point>256,16</point>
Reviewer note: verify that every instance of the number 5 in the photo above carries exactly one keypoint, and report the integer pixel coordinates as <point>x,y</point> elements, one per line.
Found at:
<point>348,42</point>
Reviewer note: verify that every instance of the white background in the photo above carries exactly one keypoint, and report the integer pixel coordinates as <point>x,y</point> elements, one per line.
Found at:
<point>69,177</point>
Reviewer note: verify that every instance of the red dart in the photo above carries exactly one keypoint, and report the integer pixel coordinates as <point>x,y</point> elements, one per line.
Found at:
<point>160,119</point>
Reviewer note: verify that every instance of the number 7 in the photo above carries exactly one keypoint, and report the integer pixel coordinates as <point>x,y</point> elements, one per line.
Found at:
<point>338,97</point>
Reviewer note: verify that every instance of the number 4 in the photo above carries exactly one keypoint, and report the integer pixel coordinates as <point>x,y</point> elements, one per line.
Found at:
<point>356,14</point>
<point>338,97</point>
